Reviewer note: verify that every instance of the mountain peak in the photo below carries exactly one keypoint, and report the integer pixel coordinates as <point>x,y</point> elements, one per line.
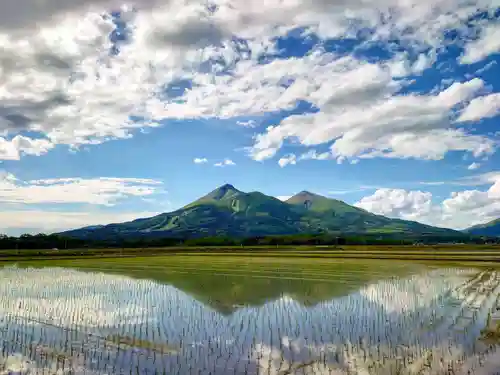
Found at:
<point>306,192</point>
<point>230,212</point>
<point>305,195</point>
<point>315,202</point>
<point>226,187</point>
<point>308,200</point>
<point>221,192</point>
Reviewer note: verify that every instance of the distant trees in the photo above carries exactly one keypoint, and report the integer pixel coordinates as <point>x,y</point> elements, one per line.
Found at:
<point>39,241</point>
<point>53,241</point>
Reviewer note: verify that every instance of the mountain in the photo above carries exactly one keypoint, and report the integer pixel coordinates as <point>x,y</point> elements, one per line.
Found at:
<point>490,229</point>
<point>227,211</point>
<point>317,203</point>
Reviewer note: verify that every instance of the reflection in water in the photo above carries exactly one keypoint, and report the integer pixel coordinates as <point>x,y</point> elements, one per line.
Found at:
<point>58,321</point>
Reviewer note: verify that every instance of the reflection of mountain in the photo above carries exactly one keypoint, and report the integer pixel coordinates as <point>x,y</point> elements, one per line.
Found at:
<point>226,289</point>
<point>440,311</point>
<point>429,324</point>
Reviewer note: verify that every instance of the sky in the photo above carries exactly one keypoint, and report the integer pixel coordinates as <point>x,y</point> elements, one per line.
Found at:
<point>111,111</point>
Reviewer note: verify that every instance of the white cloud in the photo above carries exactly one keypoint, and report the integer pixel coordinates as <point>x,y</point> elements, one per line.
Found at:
<point>225,163</point>
<point>487,178</point>
<point>398,203</point>
<point>28,14</point>
<point>473,166</point>
<point>369,122</point>
<point>200,160</point>
<point>460,210</point>
<point>59,80</point>
<point>247,124</point>
<point>19,145</point>
<point>36,221</point>
<point>288,159</point>
<point>313,155</point>
<point>104,191</point>
<point>487,43</point>
<point>482,107</point>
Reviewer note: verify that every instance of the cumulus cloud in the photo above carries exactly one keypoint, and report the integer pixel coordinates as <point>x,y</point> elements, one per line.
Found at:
<point>398,203</point>
<point>105,191</point>
<point>200,160</point>
<point>375,125</point>
<point>28,14</point>
<point>487,43</point>
<point>20,145</point>
<point>460,210</point>
<point>286,160</point>
<point>59,79</point>
<point>482,107</point>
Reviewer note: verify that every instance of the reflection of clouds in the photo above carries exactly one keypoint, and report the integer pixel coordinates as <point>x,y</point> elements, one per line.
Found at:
<point>403,312</point>
<point>271,362</point>
<point>68,297</point>
<point>18,363</point>
<point>15,363</point>
<point>418,291</point>
<point>337,335</point>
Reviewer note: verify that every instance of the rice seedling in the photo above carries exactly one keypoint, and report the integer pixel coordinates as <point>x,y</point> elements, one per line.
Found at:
<point>425,320</point>
<point>131,342</point>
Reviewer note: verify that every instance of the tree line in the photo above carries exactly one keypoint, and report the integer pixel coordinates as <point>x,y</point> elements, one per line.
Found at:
<point>54,241</point>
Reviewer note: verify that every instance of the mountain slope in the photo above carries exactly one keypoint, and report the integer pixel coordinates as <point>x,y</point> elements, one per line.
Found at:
<point>317,203</point>
<point>228,211</point>
<point>490,229</point>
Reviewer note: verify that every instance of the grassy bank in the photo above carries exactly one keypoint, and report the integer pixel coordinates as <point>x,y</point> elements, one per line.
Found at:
<point>473,253</point>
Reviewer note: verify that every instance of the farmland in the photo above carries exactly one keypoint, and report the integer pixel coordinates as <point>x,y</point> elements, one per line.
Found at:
<point>194,313</point>
<point>460,253</point>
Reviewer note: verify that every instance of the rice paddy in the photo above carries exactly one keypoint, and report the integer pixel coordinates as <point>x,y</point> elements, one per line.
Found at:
<point>248,315</point>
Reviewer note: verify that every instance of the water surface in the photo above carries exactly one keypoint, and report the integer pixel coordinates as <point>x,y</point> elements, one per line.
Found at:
<point>218,316</point>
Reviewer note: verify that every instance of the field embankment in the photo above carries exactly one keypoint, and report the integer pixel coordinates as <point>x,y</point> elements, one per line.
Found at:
<point>459,253</point>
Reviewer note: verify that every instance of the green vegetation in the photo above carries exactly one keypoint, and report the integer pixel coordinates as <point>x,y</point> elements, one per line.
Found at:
<point>491,229</point>
<point>228,212</point>
<point>313,202</point>
<point>132,342</point>
<point>27,244</point>
<point>491,333</point>
<point>459,253</point>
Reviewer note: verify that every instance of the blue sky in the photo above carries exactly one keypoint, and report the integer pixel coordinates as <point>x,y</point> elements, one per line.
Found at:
<point>117,113</point>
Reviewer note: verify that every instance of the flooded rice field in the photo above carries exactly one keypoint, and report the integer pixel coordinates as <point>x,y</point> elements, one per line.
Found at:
<point>187,317</point>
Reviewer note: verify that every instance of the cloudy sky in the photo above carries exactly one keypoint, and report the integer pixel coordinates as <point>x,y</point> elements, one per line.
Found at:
<point>111,111</point>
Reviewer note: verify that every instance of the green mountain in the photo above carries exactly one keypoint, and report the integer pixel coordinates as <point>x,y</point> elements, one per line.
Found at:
<point>316,203</point>
<point>227,211</point>
<point>490,229</point>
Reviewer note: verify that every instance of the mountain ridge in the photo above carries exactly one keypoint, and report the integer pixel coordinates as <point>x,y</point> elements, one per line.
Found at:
<point>227,211</point>
<point>490,229</point>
